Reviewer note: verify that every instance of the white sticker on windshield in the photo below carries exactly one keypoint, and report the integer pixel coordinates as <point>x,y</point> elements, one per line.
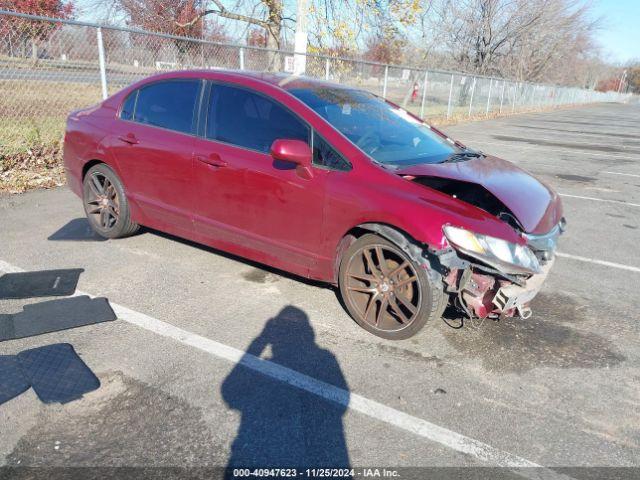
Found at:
<point>346,109</point>
<point>416,141</point>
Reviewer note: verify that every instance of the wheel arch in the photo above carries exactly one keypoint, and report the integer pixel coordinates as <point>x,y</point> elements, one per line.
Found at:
<point>89,164</point>
<point>396,235</point>
<point>101,161</point>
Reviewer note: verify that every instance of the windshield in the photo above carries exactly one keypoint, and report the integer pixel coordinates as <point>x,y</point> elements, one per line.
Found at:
<point>386,133</point>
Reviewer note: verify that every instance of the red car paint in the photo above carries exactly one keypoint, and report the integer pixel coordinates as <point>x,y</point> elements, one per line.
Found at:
<point>536,206</point>
<point>294,219</point>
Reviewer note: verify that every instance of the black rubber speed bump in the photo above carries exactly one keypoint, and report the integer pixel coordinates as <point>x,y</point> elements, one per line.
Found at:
<point>45,283</point>
<point>55,315</point>
<point>12,380</point>
<point>56,373</point>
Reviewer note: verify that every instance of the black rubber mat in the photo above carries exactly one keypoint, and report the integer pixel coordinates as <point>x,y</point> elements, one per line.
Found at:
<point>12,380</point>
<point>56,373</point>
<point>45,283</point>
<point>55,315</point>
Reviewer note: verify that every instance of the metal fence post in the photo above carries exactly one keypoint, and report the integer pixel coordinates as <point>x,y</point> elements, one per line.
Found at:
<point>103,71</point>
<point>513,100</point>
<point>504,83</point>
<point>450,94</point>
<point>384,85</point>
<point>326,69</point>
<point>532,97</point>
<point>489,97</point>
<point>424,93</point>
<point>241,58</point>
<point>473,89</point>
<point>543,97</point>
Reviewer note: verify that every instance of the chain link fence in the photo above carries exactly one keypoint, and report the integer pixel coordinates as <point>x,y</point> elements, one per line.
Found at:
<point>49,67</point>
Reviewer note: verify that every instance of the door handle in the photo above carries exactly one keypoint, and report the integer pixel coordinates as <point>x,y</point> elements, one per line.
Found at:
<point>129,138</point>
<point>213,160</point>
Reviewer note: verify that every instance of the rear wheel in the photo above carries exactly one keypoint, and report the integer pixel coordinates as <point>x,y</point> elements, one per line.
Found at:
<point>385,291</point>
<point>105,203</point>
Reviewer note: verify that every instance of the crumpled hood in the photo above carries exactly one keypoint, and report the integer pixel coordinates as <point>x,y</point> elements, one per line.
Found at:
<point>536,206</point>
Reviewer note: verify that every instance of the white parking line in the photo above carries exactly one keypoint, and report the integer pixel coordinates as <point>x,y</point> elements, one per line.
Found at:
<point>600,199</point>
<point>358,403</point>
<point>620,173</point>
<point>598,262</point>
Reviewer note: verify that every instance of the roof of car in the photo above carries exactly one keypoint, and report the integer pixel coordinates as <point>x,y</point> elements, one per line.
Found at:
<point>282,80</point>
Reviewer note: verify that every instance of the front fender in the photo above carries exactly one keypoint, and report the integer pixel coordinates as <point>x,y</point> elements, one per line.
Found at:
<point>412,209</point>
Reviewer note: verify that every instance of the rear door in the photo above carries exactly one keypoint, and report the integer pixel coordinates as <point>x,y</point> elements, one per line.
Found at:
<point>243,194</point>
<point>153,145</point>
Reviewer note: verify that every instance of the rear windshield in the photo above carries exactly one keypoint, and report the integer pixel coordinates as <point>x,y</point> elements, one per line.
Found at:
<point>386,133</point>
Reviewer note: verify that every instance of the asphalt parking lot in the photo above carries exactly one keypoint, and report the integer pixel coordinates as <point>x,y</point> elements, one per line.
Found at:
<point>561,389</point>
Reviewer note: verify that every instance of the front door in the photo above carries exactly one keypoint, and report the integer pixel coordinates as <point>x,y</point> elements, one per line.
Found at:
<point>246,197</point>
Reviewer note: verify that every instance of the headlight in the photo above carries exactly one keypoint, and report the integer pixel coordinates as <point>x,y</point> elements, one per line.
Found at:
<point>505,256</point>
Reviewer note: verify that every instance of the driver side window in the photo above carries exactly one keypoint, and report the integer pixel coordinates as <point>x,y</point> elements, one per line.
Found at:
<point>246,119</point>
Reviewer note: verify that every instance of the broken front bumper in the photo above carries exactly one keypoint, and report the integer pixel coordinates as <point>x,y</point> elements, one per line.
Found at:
<point>481,293</point>
<point>483,290</point>
<point>515,298</point>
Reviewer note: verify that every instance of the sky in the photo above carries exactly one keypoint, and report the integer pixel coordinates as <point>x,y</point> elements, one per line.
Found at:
<point>620,33</point>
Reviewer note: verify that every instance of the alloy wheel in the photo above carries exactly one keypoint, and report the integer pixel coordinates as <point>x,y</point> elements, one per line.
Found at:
<point>383,287</point>
<point>102,202</point>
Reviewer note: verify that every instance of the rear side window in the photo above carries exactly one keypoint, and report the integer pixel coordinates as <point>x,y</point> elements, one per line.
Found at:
<point>168,105</point>
<point>246,119</point>
<point>129,106</point>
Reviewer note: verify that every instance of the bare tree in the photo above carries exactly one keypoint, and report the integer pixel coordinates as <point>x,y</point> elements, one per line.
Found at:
<point>633,77</point>
<point>187,18</point>
<point>527,39</point>
<point>270,21</point>
<point>530,40</point>
<point>558,48</point>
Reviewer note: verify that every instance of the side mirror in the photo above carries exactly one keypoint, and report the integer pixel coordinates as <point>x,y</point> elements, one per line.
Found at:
<point>294,151</point>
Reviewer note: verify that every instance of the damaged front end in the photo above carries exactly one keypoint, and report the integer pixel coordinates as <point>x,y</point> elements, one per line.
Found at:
<point>486,285</point>
<point>489,276</point>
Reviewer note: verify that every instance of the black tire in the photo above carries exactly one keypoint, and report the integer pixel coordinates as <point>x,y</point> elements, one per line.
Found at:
<point>383,309</point>
<point>105,203</point>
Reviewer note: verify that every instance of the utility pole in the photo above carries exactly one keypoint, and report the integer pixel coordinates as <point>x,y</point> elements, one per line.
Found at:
<point>300,44</point>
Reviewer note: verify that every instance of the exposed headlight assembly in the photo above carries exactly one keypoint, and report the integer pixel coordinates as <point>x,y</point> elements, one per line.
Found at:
<point>502,255</point>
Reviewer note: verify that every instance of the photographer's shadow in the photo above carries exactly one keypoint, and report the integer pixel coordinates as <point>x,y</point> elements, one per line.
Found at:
<point>283,426</point>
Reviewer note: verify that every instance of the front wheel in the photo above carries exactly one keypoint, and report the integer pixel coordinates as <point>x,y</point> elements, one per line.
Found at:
<point>105,203</point>
<point>385,291</point>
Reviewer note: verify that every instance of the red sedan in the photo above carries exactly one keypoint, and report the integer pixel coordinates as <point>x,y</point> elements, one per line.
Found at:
<point>325,181</point>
